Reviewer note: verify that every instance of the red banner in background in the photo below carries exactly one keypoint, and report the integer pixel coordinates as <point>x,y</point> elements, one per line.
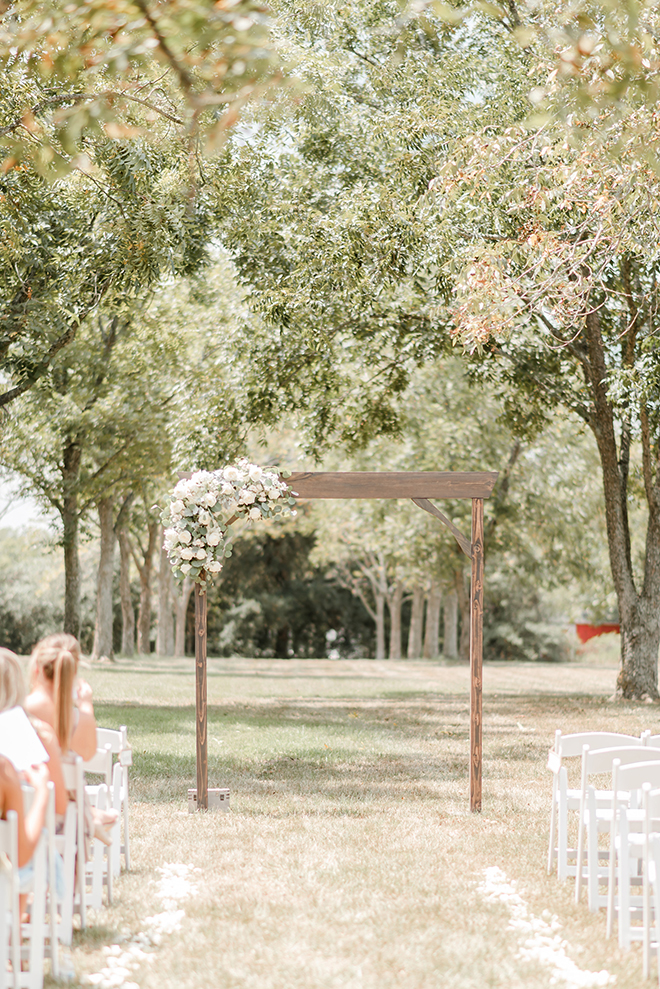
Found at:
<point>586,632</point>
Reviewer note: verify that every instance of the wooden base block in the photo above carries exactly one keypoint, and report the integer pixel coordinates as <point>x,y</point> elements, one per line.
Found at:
<point>218,799</point>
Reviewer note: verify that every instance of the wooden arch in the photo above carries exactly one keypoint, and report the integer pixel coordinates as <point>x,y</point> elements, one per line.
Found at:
<point>419,486</point>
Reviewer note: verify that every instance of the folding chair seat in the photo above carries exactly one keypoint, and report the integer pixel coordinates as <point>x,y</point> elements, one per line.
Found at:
<point>595,816</point>
<point>565,799</point>
<point>629,832</point>
<point>118,740</point>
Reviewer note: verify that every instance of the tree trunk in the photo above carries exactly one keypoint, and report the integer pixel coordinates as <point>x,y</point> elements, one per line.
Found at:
<point>181,610</point>
<point>431,648</point>
<point>127,612</point>
<point>450,648</point>
<point>72,455</point>
<point>394,601</point>
<point>165,631</point>
<point>380,625</point>
<point>639,614</point>
<point>145,569</point>
<point>463,598</point>
<point>103,629</point>
<point>416,622</point>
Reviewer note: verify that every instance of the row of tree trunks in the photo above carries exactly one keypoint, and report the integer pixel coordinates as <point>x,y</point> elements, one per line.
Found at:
<point>165,631</point>
<point>172,604</point>
<point>127,612</point>
<point>432,633</point>
<point>424,635</point>
<point>416,632</point>
<point>103,628</point>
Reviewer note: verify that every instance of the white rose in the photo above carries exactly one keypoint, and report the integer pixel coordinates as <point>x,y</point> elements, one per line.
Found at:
<point>231,474</point>
<point>227,489</point>
<point>213,538</point>
<point>255,472</point>
<point>171,537</point>
<point>185,567</point>
<point>185,537</point>
<point>210,499</point>
<point>178,506</point>
<point>198,542</point>
<point>214,567</point>
<point>246,497</point>
<point>254,514</point>
<point>186,554</point>
<point>273,494</point>
<point>201,554</point>
<point>204,518</point>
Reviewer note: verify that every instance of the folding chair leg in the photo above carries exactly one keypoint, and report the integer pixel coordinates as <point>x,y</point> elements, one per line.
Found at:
<point>580,859</point>
<point>592,867</point>
<point>127,853</point>
<point>553,827</point>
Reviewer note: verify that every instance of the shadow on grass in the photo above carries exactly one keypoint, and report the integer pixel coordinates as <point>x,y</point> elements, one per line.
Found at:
<point>364,748</point>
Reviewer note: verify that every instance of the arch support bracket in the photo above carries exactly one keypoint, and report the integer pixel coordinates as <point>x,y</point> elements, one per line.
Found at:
<point>462,540</point>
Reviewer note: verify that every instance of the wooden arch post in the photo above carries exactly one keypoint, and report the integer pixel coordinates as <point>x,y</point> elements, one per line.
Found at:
<point>419,486</point>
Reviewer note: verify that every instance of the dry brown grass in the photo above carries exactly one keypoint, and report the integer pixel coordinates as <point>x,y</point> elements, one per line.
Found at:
<point>349,858</point>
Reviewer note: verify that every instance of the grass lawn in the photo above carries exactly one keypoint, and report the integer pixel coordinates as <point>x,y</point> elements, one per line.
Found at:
<point>349,857</point>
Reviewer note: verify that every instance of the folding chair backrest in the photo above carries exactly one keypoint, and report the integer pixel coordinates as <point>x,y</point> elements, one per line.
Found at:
<point>635,775</point>
<point>111,737</point>
<point>9,908</point>
<point>653,741</point>
<point>601,760</point>
<point>572,745</point>
<point>651,803</point>
<point>101,763</point>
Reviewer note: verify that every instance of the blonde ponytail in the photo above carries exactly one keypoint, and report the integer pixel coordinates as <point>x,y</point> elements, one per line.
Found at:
<point>56,658</point>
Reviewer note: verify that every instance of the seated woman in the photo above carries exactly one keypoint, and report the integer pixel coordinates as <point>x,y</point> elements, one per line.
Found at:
<point>12,694</point>
<point>58,698</point>
<point>30,825</point>
<point>64,703</point>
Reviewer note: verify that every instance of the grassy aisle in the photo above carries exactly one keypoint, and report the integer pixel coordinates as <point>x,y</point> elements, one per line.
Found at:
<point>349,858</point>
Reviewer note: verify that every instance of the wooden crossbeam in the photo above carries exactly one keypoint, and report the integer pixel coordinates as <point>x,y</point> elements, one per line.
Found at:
<point>394,484</point>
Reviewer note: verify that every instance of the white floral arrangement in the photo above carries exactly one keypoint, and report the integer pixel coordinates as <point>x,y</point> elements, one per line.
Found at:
<point>202,508</point>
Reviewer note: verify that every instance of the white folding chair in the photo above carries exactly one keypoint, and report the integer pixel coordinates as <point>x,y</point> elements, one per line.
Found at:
<point>99,868</point>
<point>10,917</point>
<point>629,829</point>
<point>565,799</point>
<point>51,947</point>
<point>71,846</point>
<point>652,889</point>
<point>118,740</point>
<point>33,932</point>
<point>595,815</point>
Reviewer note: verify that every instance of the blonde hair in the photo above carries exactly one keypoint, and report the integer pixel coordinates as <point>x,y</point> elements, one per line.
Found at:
<point>12,685</point>
<point>56,658</point>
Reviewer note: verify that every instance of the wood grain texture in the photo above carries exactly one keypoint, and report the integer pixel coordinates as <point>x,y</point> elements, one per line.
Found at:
<point>476,653</point>
<point>200,699</point>
<point>394,484</point>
